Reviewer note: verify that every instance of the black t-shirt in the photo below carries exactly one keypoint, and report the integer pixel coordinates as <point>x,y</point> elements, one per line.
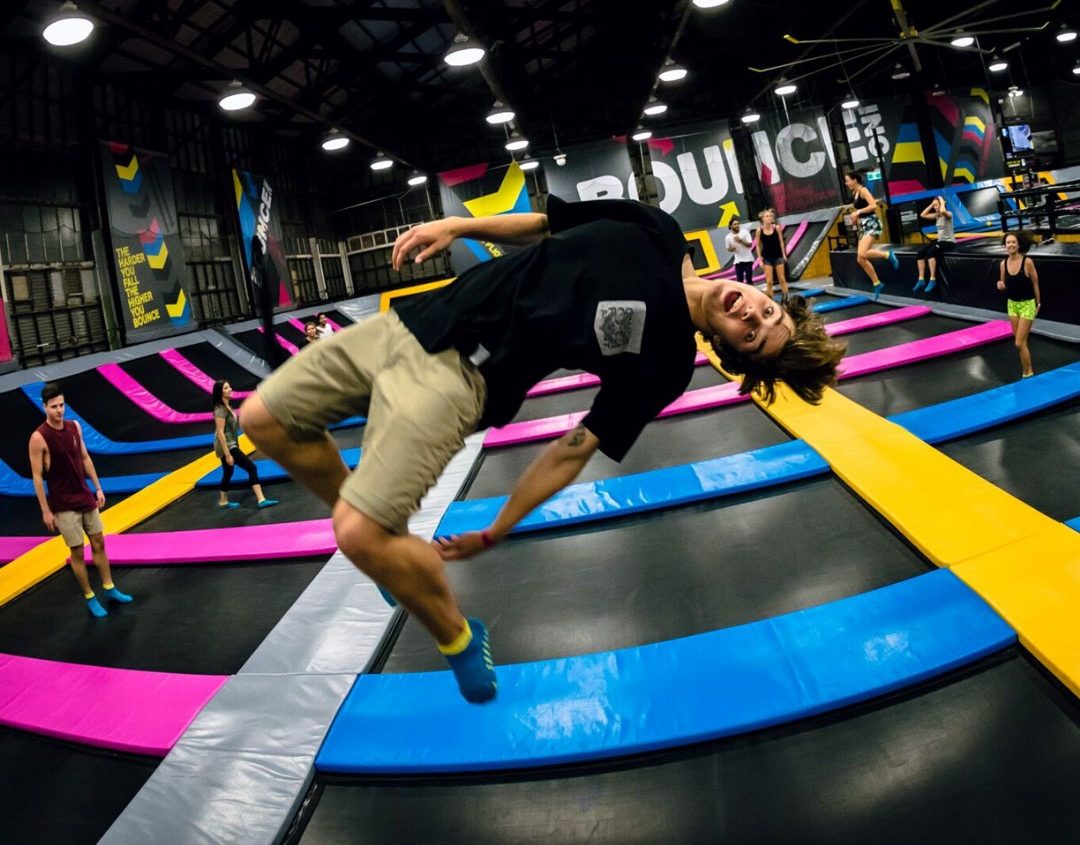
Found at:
<point>603,293</point>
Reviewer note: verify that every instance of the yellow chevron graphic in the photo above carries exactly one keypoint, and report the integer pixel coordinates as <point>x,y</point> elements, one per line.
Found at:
<point>503,199</point>
<point>981,94</point>
<point>176,309</point>
<point>963,171</point>
<point>157,262</point>
<point>972,120</point>
<point>907,151</point>
<point>128,173</point>
<point>238,189</point>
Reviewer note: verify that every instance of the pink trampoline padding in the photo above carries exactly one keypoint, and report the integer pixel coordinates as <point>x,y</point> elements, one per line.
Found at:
<point>193,374</point>
<point>12,547</point>
<point>120,709</point>
<point>223,545</point>
<point>726,394</point>
<point>147,401</point>
<point>857,324</point>
<point>282,342</point>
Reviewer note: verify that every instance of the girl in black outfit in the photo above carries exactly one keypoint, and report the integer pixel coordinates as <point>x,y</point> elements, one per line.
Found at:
<point>1020,281</point>
<point>864,218</point>
<point>772,253</point>
<point>227,448</point>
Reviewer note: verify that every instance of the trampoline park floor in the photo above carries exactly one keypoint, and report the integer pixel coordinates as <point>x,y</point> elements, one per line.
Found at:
<point>989,753</point>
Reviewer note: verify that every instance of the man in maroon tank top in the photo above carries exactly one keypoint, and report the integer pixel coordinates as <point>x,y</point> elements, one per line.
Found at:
<point>59,458</point>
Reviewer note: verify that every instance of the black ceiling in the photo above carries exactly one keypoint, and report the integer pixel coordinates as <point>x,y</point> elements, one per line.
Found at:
<point>574,70</point>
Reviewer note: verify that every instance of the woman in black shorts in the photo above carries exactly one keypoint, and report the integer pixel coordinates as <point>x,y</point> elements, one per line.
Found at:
<point>227,448</point>
<point>771,252</point>
<point>866,221</point>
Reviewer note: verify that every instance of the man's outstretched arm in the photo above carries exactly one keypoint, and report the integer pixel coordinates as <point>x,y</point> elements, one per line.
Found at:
<point>554,468</point>
<point>435,237</point>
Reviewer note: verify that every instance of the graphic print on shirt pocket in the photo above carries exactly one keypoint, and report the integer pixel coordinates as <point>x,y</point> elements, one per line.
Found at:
<point>619,326</point>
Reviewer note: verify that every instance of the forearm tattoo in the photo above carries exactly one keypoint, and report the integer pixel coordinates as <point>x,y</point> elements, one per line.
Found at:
<point>576,437</point>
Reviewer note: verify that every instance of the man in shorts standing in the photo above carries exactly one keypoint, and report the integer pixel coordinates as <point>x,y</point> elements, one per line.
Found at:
<point>610,291</point>
<point>59,458</point>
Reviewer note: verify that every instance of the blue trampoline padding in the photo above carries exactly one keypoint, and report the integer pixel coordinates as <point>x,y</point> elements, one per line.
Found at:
<point>808,293</point>
<point>269,470</point>
<point>843,302</point>
<point>979,411</point>
<point>716,477</point>
<point>1074,524</point>
<point>102,445</point>
<point>667,694</point>
<point>646,491</point>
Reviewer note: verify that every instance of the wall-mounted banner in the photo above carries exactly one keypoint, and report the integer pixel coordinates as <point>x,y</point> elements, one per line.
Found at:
<point>5,338</point>
<point>794,155</point>
<point>886,136</point>
<point>592,172</point>
<point>966,137</point>
<point>263,246</point>
<point>147,251</point>
<point>481,191</point>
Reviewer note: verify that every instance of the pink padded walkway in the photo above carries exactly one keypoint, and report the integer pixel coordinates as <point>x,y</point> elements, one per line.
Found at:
<point>727,394</point>
<point>147,401</point>
<point>120,709</point>
<point>222,545</point>
<point>193,374</point>
<point>857,324</point>
<point>282,342</point>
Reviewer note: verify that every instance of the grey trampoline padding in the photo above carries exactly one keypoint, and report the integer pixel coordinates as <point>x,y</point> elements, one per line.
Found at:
<point>240,771</point>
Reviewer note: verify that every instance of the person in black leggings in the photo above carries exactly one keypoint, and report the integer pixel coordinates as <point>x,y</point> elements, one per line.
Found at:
<point>227,448</point>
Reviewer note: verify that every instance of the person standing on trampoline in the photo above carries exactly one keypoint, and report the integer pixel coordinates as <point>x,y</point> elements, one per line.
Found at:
<point>866,222</point>
<point>946,240</point>
<point>738,242</point>
<point>227,449</point>
<point>611,290</point>
<point>1020,281</point>
<point>322,326</point>
<point>771,252</point>
<point>58,458</point>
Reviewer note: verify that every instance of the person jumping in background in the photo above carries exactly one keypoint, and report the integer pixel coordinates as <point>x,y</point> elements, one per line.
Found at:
<point>322,326</point>
<point>771,252</point>
<point>58,457</point>
<point>738,242</point>
<point>227,448</point>
<point>610,291</point>
<point>1020,281</point>
<point>868,226</point>
<point>946,240</point>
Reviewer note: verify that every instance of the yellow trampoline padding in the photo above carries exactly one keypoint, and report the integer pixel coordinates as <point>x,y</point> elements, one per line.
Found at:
<point>1023,563</point>
<point>391,295</point>
<point>37,564</point>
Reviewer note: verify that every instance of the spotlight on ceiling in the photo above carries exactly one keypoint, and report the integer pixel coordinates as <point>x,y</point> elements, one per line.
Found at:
<point>710,4</point>
<point>937,90</point>
<point>560,159</point>
<point>672,72</point>
<point>516,142</point>
<point>1076,69</point>
<point>784,88</point>
<point>417,179</point>
<point>963,39</point>
<point>236,98</point>
<point>654,107</point>
<point>499,114</point>
<point>850,102</point>
<point>464,51</point>
<point>381,162</point>
<point>997,64</point>
<point>641,134</point>
<point>900,72</point>
<point>67,27</point>
<point>528,163</point>
<point>334,140</point>
<point>749,116</point>
<point>1014,92</point>
<point>1065,34</point>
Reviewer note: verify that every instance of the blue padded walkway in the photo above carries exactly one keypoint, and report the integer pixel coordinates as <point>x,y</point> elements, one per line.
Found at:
<point>667,694</point>
<point>766,467</point>
<point>842,302</point>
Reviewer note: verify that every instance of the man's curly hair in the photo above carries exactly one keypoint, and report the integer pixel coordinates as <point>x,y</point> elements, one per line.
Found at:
<point>806,363</point>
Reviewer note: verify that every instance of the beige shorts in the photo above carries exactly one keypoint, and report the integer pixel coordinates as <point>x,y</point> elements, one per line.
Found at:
<point>72,524</point>
<point>419,407</point>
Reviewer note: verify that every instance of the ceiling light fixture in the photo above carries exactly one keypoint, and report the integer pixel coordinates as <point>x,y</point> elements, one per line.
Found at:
<point>783,88</point>
<point>851,102</point>
<point>528,163</point>
<point>69,26</point>
<point>417,179</point>
<point>937,90</point>
<point>464,51</point>
<point>963,39</point>
<point>334,140</point>
<point>1015,92</point>
<point>560,158</point>
<point>1076,69</point>
<point>654,107</point>
<point>1065,34</point>
<point>710,4</point>
<point>382,162</point>
<point>997,64</point>
<point>672,72</point>
<point>642,134</point>
<point>499,114</point>
<point>900,72</point>
<point>516,142</point>
<point>236,97</point>
<point>750,116</point>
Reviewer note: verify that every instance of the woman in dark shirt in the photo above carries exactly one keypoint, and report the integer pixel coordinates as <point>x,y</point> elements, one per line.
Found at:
<point>772,253</point>
<point>868,225</point>
<point>1021,284</point>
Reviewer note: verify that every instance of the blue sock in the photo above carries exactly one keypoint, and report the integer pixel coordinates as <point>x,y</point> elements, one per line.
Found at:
<point>116,595</point>
<point>387,595</point>
<point>893,260</point>
<point>931,285</point>
<point>95,608</point>
<point>472,666</point>
<point>268,503</point>
<point>878,288</point>
<point>918,286</point>
<point>228,505</point>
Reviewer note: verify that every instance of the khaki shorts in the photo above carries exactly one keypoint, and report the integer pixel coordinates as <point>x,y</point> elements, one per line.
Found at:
<point>72,524</point>
<point>419,407</point>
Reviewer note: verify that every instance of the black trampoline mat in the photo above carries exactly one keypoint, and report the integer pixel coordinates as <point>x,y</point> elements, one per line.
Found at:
<point>202,619</point>
<point>168,384</point>
<point>217,365</point>
<point>991,755</point>
<point>21,516</point>
<point>893,335</point>
<point>656,577</point>
<point>39,811</point>
<point>21,417</point>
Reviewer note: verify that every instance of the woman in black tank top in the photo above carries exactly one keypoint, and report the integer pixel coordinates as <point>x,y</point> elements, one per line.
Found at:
<point>1020,282</point>
<point>868,225</point>
<point>769,244</point>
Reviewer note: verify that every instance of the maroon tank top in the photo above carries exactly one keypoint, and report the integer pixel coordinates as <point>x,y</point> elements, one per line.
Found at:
<point>66,478</point>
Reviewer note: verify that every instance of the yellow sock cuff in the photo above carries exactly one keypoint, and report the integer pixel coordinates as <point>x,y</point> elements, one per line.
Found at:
<point>89,595</point>
<point>106,586</point>
<point>459,643</point>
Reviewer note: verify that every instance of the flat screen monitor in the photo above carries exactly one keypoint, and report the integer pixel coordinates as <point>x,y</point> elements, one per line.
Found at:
<point>1018,137</point>
<point>980,203</point>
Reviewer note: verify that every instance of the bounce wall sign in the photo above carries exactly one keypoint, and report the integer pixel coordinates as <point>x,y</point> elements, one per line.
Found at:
<point>264,248</point>
<point>147,251</point>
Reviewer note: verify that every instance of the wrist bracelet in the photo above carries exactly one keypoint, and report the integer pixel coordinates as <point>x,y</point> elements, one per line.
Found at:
<point>485,538</point>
